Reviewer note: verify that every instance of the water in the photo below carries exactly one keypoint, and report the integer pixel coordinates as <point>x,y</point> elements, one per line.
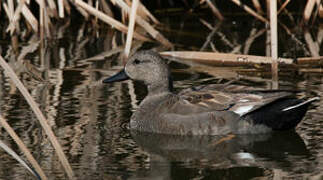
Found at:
<point>91,120</point>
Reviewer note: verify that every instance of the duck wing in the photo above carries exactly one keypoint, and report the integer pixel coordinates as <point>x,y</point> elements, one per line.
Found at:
<point>195,102</point>
<point>246,103</point>
<point>239,99</point>
<point>232,88</point>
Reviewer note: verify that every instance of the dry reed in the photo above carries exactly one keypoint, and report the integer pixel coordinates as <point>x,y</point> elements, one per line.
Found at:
<point>257,6</point>
<point>102,10</point>
<point>215,10</point>
<point>283,6</point>
<point>274,42</point>
<point>131,27</point>
<point>308,10</point>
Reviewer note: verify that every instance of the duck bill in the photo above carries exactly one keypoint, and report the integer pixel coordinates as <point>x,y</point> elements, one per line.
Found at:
<point>120,76</point>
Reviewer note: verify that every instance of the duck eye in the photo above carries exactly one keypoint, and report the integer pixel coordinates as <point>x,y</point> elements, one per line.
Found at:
<point>136,61</point>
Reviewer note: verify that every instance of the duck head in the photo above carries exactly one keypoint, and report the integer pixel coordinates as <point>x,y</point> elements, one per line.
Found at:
<point>148,67</point>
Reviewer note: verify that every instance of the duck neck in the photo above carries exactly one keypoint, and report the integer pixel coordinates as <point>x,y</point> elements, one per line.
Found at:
<point>159,88</point>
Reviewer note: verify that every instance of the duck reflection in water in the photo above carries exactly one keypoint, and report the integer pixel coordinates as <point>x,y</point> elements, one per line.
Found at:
<point>221,156</point>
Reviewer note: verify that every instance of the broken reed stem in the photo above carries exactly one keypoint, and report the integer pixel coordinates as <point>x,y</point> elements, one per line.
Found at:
<point>41,19</point>
<point>224,58</point>
<point>131,26</point>
<point>42,120</point>
<point>274,42</point>
<point>23,148</point>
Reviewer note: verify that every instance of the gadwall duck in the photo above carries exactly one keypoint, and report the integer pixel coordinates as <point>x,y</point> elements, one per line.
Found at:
<point>206,110</point>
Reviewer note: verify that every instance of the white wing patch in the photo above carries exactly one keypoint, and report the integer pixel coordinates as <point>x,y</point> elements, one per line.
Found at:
<point>243,109</point>
<point>243,100</point>
<point>300,104</point>
<point>243,155</point>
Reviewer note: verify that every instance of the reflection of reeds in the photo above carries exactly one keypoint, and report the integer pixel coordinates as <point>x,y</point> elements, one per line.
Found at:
<point>42,121</point>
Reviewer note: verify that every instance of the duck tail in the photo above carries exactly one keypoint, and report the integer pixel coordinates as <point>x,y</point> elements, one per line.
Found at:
<point>283,114</point>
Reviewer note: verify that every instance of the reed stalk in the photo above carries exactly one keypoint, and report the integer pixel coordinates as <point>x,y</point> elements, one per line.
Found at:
<point>308,10</point>
<point>283,6</point>
<point>131,27</point>
<point>274,42</point>
<point>41,19</point>
<point>257,6</point>
<point>321,10</point>
<point>215,10</point>
<point>61,8</point>
<point>42,120</point>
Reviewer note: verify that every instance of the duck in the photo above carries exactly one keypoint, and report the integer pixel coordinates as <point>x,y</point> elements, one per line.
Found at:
<point>215,109</point>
